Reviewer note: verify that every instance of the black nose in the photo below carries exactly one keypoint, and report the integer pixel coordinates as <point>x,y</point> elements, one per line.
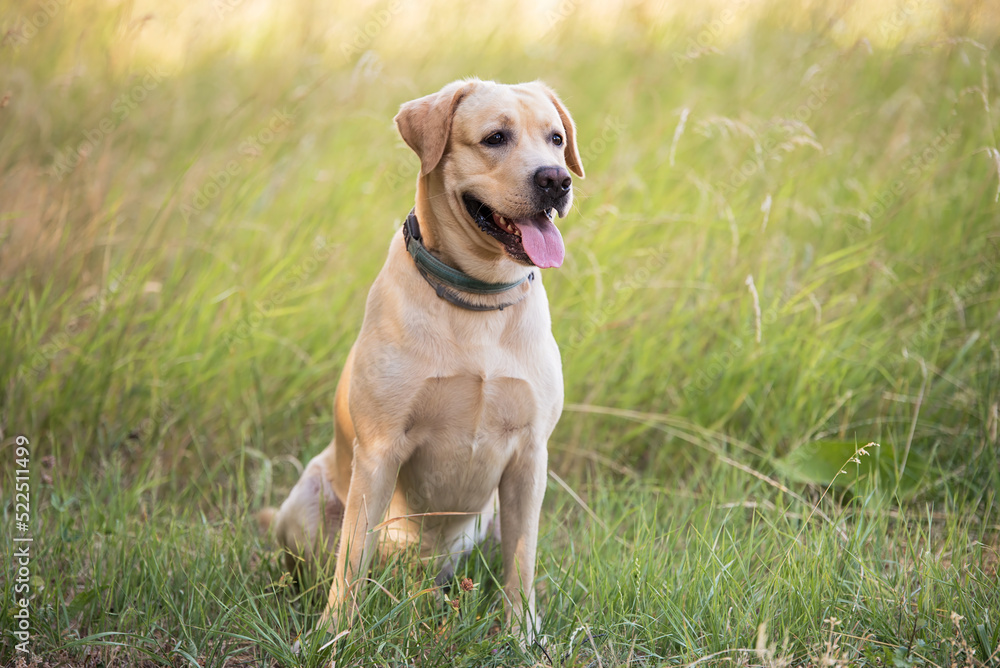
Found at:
<point>554,182</point>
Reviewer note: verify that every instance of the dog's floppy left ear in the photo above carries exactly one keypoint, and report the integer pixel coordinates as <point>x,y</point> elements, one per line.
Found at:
<point>572,153</point>
<point>425,123</point>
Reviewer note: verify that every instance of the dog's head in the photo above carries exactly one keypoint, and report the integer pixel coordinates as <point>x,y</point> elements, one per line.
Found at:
<point>501,156</point>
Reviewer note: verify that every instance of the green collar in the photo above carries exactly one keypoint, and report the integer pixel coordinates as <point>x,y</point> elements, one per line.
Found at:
<point>449,282</point>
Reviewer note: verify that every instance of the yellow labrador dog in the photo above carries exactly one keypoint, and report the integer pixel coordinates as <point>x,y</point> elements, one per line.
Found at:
<point>454,384</point>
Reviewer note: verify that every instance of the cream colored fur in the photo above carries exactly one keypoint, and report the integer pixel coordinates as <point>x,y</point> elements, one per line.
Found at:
<point>441,409</point>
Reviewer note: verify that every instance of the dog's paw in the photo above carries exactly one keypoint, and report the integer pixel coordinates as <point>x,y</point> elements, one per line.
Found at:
<point>328,622</point>
<point>445,575</point>
<point>265,518</point>
<point>320,637</point>
<point>528,630</point>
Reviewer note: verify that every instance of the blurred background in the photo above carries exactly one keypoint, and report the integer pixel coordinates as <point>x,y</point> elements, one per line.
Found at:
<point>787,244</point>
<point>196,196</point>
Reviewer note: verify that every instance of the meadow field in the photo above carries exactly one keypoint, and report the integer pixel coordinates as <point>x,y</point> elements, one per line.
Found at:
<point>779,318</point>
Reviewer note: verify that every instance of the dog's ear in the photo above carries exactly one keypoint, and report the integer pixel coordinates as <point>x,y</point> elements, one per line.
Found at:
<point>572,153</point>
<point>425,123</point>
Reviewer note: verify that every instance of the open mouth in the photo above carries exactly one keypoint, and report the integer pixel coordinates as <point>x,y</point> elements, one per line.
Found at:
<point>534,240</point>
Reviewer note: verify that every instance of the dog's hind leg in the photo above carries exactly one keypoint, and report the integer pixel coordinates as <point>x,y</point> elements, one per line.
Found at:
<point>308,521</point>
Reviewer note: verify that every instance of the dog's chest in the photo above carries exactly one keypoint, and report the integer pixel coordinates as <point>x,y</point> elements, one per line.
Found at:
<point>464,429</point>
<point>467,409</point>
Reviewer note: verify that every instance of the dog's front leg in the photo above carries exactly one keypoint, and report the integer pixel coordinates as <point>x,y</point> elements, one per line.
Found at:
<point>522,487</point>
<point>372,483</point>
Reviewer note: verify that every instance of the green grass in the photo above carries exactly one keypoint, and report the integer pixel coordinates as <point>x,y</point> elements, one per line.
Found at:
<point>178,303</point>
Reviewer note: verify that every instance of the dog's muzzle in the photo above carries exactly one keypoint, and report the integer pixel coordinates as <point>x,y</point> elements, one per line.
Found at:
<point>534,240</point>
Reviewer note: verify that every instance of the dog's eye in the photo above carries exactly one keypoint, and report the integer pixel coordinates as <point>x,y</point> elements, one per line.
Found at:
<point>495,139</point>
<point>557,139</point>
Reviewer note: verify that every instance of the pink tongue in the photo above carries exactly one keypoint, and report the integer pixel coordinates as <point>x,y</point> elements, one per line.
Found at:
<point>542,241</point>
